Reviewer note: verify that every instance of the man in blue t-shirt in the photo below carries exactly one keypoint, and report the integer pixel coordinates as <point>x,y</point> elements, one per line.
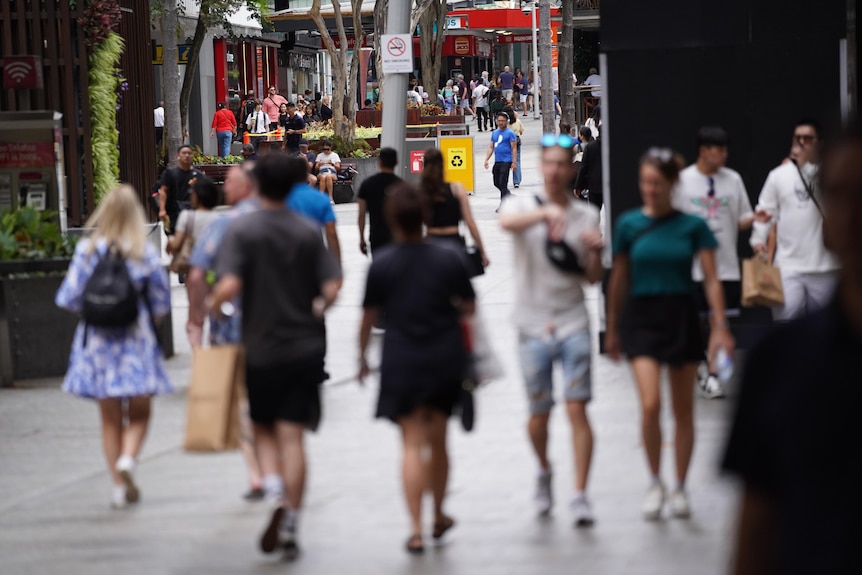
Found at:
<point>313,205</point>
<point>504,146</point>
<point>507,83</point>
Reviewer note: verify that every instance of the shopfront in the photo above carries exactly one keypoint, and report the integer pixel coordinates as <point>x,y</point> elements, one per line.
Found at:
<point>243,66</point>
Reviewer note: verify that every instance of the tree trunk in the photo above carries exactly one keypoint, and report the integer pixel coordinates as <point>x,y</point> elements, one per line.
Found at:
<point>566,46</point>
<point>431,43</point>
<point>339,65</point>
<point>381,11</point>
<point>192,66</point>
<point>548,124</point>
<point>171,82</point>
<point>349,127</point>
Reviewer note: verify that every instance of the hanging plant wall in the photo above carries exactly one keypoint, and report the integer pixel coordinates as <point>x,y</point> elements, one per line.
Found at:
<point>104,49</point>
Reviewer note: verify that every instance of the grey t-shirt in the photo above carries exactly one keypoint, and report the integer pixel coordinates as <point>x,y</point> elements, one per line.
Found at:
<point>547,298</point>
<point>283,263</point>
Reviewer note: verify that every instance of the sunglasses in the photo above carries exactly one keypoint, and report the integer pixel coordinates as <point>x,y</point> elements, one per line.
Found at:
<point>663,155</point>
<point>326,149</point>
<point>803,138</point>
<point>563,141</point>
<point>711,191</point>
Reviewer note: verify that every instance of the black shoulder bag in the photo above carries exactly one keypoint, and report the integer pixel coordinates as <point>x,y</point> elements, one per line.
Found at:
<point>808,188</point>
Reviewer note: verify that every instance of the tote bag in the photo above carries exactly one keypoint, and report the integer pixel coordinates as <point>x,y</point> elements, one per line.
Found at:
<point>218,376</point>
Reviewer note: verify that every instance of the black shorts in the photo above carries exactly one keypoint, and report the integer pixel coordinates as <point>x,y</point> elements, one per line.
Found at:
<point>287,392</point>
<point>732,296</point>
<point>663,327</point>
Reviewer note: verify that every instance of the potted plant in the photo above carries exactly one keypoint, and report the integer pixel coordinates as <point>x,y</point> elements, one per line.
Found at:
<point>35,335</point>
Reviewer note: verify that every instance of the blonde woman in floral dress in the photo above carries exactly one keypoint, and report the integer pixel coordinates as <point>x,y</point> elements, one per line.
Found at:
<point>120,368</point>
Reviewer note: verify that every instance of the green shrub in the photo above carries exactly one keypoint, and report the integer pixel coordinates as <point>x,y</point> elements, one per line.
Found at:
<point>28,234</point>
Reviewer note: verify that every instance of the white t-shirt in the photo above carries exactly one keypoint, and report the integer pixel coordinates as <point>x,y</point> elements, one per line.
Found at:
<point>414,97</point>
<point>201,221</point>
<point>800,226</point>
<point>327,161</point>
<point>479,96</point>
<point>159,117</point>
<point>594,80</point>
<point>546,296</point>
<point>722,213</point>
<point>257,122</point>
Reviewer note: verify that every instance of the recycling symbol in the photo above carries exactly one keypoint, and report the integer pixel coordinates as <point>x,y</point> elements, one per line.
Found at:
<point>457,161</point>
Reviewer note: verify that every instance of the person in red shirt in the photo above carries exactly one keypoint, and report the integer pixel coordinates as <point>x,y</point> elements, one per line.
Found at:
<point>224,127</point>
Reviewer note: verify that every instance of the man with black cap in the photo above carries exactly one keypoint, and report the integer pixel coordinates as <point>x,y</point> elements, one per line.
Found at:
<point>309,157</point>
<point>294,127</point>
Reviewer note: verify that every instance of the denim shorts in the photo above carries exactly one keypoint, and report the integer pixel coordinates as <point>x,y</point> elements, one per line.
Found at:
<point>537,364</point>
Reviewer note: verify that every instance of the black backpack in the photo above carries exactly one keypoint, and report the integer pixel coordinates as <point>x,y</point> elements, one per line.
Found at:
<point>110,297</point>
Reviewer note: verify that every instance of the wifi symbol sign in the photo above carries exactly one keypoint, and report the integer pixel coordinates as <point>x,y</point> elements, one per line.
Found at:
<point>22,72</point>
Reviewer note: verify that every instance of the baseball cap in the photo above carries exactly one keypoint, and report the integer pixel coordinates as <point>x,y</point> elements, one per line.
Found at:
<point>303,142</point>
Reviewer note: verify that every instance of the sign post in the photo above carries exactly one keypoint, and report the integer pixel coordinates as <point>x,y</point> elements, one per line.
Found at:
<point>397,61</point>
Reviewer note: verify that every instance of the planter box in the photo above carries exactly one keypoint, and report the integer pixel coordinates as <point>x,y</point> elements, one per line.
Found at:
<point>365,168</point>
<point>35,335</point>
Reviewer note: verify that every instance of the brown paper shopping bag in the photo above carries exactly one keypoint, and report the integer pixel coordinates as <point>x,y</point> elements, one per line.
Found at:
<point>218,377</point>
<point>761,283</point>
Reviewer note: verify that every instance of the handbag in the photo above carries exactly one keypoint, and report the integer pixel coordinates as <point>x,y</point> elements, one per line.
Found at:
<point>212,410</point>
<point>475,265</point>
<point>180,262</point>
<point>761,283</point>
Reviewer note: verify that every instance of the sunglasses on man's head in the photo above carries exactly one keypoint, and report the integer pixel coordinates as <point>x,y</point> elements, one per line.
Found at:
<point>563,141</point>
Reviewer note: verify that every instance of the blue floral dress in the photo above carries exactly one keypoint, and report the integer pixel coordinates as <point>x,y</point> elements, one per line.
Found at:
<point>116,362</point>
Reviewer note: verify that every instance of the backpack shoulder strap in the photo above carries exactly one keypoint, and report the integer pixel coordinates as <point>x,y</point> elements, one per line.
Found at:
<point>653,225</point>
<point>808,188</point>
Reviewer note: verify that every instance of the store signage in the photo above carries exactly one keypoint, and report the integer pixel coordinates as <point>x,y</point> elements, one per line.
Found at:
<point>22,72</point>
<point>515,39</point>
<point>305,61</point>
<point>457,22</point>
<point>351,42</point>
<point>462,45</point>
<point>26,154</point>
<point>397,53</point>
<point>183,51</point>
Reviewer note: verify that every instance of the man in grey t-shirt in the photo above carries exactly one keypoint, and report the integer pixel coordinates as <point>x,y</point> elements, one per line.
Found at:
<point>552,320</point>
<point>277,260</point>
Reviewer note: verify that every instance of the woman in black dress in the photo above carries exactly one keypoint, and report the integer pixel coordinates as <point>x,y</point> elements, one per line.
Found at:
<point>446,206</point>
<point>424,291</point>
<point>325,110</point>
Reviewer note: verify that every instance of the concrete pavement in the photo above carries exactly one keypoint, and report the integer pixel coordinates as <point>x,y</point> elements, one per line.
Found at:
<point>54,489</point>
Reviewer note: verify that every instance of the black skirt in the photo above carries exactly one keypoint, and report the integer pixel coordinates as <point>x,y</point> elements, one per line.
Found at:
<point>665,328</point>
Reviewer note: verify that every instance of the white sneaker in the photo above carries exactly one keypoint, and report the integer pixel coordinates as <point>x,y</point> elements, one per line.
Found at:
<point>654,502</point>
<point>544,498</point>
<point>582,513</point>
<point>679,506</point>
<point>126,467</point>
<point>118,497</point>
<point>711,388</point>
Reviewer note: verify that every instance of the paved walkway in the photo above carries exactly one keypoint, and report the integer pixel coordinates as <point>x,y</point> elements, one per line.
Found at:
<point>54,490</point>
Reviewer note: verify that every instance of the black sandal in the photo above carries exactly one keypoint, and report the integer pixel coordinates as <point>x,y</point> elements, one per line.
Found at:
<point>443,525</point>
<point>415,546</point>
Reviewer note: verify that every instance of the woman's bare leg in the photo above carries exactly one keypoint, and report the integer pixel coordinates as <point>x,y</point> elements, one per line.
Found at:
<point>413,435</point>
<point>111,410</point>
<point>139,421</point>
<point>647,374</point>
<point>682,399</point>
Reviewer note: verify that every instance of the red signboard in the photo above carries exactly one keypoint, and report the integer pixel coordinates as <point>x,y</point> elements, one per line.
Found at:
<point>417,161</point>
<point>26,154</point>
<point>22,72</point>
<point>462,45</point>
<point>351,41</point>
<point>515,39</point>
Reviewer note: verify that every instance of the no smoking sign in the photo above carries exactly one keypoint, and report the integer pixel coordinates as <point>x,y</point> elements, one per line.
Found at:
<point>397,53</point>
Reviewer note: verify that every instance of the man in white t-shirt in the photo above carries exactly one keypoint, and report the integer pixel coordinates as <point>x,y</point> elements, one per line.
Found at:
<point>480,104</point>
<point>159,122</point>
<point>717,194</point>
<point>594,80</point>
<point>414,97</point>
<point>791,196</point>
<point>550,314</point>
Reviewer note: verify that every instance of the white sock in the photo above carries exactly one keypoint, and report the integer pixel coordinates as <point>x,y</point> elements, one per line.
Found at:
<point>273,486</point>
<point>656,480</point>
<point>544,472</point>
<point>579,495</point>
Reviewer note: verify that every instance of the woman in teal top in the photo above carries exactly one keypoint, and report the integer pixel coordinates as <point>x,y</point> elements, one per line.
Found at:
<point>653,317</point>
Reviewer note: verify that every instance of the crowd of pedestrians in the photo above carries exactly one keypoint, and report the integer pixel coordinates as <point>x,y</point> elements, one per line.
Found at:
<point>264,271</point>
